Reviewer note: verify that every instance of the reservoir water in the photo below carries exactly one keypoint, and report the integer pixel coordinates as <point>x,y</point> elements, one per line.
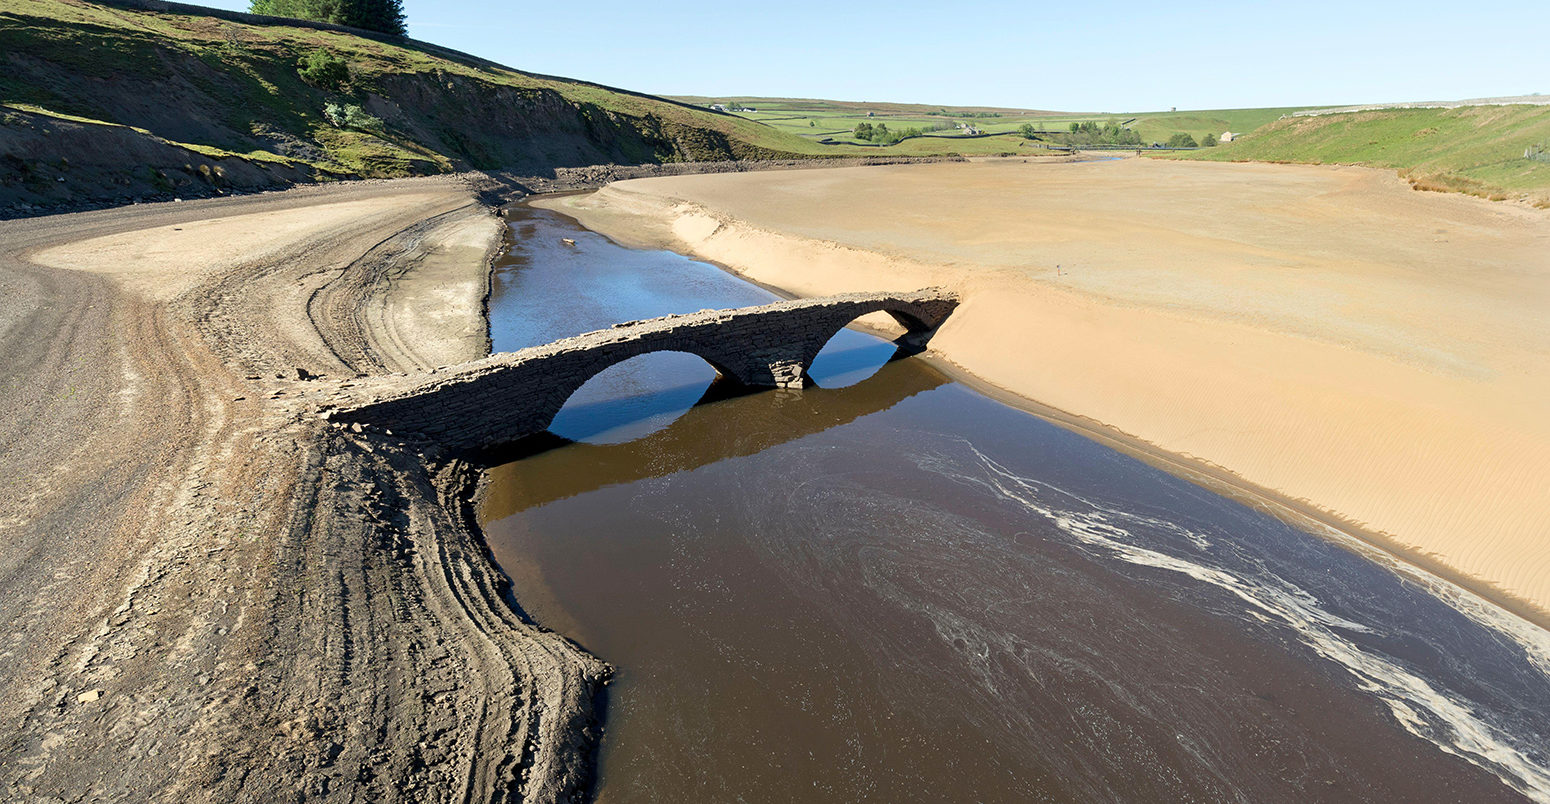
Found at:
<point>892,588</point>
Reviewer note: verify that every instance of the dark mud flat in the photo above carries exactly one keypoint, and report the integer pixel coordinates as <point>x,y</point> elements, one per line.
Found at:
<point>902,590</point>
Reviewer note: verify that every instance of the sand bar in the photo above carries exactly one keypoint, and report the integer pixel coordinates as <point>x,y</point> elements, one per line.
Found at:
<point>1324,333</point>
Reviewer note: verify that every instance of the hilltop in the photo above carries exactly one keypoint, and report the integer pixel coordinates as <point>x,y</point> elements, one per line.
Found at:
<point>1481,150</point>
<point>101,100</point>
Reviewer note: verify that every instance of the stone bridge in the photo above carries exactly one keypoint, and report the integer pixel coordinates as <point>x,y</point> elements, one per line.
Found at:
<point>504,398</point>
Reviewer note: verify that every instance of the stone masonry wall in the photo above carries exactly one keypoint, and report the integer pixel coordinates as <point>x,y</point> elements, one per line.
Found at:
<point>506,397</point>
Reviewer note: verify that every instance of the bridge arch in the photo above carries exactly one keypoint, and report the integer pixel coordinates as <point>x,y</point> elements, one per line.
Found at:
<point>906,318</point>
<point>852,354</point>
<point>842,360</point>
<point>580,407</point>
<point>504,398</point>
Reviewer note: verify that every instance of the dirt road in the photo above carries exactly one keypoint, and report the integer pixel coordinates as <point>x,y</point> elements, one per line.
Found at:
<point>206,592</point>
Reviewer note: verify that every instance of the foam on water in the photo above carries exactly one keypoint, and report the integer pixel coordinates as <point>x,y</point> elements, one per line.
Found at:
<point>1444,717</point>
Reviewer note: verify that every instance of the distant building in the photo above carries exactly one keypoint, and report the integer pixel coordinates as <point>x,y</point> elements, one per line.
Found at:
<point>716,107</point>
<point>1227,136</point>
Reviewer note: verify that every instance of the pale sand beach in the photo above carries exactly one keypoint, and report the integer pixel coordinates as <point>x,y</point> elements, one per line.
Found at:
<point>1323,333</point>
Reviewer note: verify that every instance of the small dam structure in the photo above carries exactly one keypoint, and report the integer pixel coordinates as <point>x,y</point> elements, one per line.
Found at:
<point>497,401</point>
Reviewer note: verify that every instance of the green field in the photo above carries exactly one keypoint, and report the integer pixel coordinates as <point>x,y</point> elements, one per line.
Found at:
<point>230,90</point>
<point>1472,149</point>
<point>827,119</point>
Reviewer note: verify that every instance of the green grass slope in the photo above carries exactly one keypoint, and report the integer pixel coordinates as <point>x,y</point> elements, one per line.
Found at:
<point>202,100</point>
<point>818,119</point>
<point>1472,149</point>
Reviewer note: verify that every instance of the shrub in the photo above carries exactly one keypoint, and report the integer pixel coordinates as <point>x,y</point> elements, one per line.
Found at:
<point>350,115</point>
<point>323,70</point>
<point>883,136</point>
<point>1209,141</point>
<point>1091,133</point>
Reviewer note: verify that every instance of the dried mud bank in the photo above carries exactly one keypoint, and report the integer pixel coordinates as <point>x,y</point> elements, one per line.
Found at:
<point>89,148</point>
<point>211,594</point>
<point>1318,340</point>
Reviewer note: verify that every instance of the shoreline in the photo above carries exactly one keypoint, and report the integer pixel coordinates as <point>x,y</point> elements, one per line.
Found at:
<point>633,227</point>
<point>326,584</point>
<point>271,606</point>
<point>1302,513</point>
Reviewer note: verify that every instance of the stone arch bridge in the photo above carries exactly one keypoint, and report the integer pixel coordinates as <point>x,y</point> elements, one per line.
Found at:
<point>506,397</point>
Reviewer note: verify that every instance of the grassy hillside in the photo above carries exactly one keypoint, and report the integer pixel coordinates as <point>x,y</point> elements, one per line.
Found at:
<point>817,119</point>
<point>88,89</point>
<point>1473,149</point>
<point>847,107</point>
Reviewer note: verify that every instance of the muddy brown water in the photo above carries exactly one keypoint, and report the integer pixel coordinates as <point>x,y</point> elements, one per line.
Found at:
<point>891,588</point>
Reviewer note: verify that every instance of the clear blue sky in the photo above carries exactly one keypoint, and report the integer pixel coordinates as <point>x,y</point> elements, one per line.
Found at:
<point>1047,55</point>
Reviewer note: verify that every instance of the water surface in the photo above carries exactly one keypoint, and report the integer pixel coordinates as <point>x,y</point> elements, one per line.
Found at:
<point>901,590</point>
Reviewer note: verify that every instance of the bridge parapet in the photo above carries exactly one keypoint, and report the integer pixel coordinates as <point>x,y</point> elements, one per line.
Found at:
<point>506,397</point>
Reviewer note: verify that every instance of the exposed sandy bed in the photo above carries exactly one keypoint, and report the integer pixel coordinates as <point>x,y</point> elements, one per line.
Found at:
<point>1325,333</point>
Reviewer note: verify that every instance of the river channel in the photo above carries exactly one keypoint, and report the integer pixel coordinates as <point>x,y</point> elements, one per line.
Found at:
<point>892,588</point>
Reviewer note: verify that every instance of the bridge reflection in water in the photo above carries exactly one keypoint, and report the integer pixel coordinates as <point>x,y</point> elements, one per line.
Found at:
<point>502,399</point>
<point>730,421</point>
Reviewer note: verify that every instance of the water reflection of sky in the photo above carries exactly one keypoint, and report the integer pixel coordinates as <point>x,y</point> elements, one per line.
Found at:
<point>918,541</point>
<point>594,284</point>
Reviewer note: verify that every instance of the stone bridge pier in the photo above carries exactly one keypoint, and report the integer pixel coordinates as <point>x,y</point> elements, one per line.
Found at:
<point>506,397</point>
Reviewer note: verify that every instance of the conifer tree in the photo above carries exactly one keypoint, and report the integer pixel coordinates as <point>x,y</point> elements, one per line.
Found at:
<point>386,16</point>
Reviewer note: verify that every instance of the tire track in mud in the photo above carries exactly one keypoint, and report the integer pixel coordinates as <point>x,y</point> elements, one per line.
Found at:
<point>211,594</point>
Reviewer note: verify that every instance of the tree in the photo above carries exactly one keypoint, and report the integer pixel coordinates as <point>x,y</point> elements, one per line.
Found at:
<point>1182,140</point>
<point>1208,141</point>
<point>386,16</point>
<point>323,70</point>
<point>864,131</point>
<point>1028,131</point>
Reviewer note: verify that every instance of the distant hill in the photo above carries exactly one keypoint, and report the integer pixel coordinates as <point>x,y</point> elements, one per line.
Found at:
<point>994,128</point>
<point>1478,150</point>
<point>811,104</point>
<point>103,100</point>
